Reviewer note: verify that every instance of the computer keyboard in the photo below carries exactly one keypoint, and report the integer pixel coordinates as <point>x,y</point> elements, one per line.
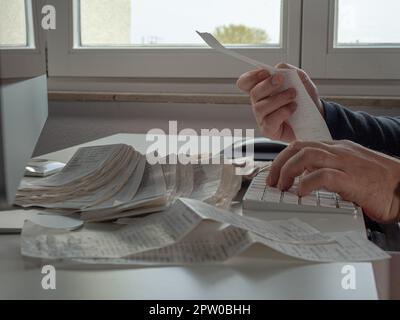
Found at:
<point>261,197</point>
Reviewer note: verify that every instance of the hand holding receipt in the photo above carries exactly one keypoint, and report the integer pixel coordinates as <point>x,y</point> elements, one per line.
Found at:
<point>306,121</point>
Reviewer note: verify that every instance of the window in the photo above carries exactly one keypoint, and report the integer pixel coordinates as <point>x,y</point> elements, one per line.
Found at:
<point>155,23</point>
<point>21,53</point>
<point>367,23</point>
<point>351,39</point>
<point>102,23</point>
<point>13,24</point>
<point>333,40</point>
<point>156,38</point>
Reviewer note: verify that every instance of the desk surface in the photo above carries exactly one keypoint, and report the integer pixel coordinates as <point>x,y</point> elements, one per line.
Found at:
<point>249,276</point>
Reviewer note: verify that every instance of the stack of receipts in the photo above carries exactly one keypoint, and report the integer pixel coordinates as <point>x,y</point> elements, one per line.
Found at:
<point>167,238</point>
<point>115,181</point>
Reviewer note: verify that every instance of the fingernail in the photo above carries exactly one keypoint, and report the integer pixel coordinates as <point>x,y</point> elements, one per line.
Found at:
<point>276,79</point>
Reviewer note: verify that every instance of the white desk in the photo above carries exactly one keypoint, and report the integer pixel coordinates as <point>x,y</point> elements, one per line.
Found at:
<point>245,277</point>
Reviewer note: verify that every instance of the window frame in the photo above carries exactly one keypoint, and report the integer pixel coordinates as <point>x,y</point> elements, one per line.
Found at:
<point>323,60</point>
<point>64,60</point>
<point>29,61</point>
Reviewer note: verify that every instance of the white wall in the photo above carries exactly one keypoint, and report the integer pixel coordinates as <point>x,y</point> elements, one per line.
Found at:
<point>72,123</point>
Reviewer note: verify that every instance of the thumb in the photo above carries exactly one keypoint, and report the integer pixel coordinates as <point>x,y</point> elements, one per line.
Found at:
<point>305,79</point>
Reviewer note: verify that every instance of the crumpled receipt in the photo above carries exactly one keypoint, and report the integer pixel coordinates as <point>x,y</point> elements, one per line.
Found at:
<point>163,238</point>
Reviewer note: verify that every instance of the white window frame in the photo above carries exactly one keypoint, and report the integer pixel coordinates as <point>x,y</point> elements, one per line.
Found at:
<point>66,61</point>
<point>323,60</point>
<point>30,61</point>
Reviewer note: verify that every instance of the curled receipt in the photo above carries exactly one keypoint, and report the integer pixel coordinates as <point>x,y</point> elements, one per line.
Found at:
<point>307,122</point>
<point>173,237</point>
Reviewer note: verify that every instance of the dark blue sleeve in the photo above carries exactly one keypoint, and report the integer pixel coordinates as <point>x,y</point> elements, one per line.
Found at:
<point>378,133</point>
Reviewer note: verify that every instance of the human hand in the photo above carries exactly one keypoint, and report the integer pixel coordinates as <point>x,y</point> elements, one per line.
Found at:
<point>273,106</point>
<point>365,177</point>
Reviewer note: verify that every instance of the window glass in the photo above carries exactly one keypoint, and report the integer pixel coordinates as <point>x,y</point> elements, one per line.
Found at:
<point>368,23</point>
<point>173,23</point>
<point>13,26</point>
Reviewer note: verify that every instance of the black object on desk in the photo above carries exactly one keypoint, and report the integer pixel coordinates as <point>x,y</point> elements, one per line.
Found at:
<point>385,236</point>
<point>264,149</point>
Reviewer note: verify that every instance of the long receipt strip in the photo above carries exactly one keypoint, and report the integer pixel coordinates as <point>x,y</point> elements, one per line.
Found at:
<point>161,238</point>
<point>306,121</point>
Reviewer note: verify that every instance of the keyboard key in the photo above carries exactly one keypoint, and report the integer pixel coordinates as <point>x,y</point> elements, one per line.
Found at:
<point>294,189</point>
<point>309,200</point>
<point>346,205</point>
<point>272,195</point>
<point>263,197</point>
<point>326,195</point>
<point>290,198</point>
<point>258,188</point>
<point>273,190</point>
<point>328,202</point>
<point>254,195</point>
<point>260,181</point>
<point>272,198</point>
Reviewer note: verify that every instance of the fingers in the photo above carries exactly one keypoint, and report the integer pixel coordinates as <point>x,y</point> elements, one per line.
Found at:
<point>288,153</point>
<point>248,80</point>
<point>308,159</point>
<point>272,123</point>
<point>330,179</point>
<point>266,88</point>
<point>344,146</point>
<point>283,65</point>
<point>308,84</point>
<point>302,74</point>
<point>271,104</point>
<point>273,111</point>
